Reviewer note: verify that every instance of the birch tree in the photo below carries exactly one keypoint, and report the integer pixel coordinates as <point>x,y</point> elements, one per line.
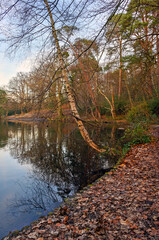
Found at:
<point>75,113</point>
<point>35,23</point>
<point>31,21</point>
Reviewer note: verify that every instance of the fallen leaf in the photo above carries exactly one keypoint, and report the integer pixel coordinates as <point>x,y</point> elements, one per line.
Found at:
<point>49,221</point>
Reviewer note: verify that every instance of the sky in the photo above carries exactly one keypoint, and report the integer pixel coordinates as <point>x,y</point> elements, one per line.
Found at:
<point>9,67</point>
<point>23,63</point>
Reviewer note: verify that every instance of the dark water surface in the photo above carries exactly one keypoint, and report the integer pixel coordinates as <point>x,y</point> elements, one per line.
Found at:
<point>41,165</point>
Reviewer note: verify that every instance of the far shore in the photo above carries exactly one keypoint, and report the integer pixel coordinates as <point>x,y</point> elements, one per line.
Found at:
<point>48,115</point>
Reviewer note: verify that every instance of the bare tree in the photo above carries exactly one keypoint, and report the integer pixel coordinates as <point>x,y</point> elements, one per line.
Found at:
<point>75,113</point>
<point>35,18</point>
<point>37,21</point>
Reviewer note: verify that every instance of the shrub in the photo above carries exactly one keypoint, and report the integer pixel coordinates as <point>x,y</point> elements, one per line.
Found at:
<point>135,134</point>
<point>120,106</point>
<point>153,106</point>
<point>105,110</point>
<point>139,113</point>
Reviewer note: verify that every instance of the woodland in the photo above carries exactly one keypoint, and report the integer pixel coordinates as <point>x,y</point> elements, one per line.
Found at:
<point>97,58</point>
<point>94,61</point>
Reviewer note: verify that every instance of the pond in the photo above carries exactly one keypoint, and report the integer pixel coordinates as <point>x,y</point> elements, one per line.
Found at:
<point>41,165</point>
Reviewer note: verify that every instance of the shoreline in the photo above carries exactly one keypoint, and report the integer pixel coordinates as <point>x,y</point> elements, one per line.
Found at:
<point>63,223</point>
<point>48,115</point>
<point>68,120</point>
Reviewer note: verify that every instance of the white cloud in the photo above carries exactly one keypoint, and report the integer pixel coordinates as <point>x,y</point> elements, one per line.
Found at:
<point>9,69</point>
<point>26,65</point>
<point>4,78</point>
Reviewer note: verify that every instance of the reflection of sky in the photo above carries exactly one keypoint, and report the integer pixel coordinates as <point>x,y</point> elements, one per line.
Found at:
<point>12,177</point>
<point>14,180</point>
<point>9,169</point>
<point>10,173</point>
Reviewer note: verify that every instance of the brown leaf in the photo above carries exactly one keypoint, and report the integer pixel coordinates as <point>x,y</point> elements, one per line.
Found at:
<point>65,219</point>
<point>58,224</point>
<point>49,221</point>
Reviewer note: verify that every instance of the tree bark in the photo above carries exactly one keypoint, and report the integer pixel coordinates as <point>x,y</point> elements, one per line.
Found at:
<point>157,59</point>
<point>113,105</point>
<point>120,68</point>
<point>87,80</point>
<point>127,88</point>
<point>59,104</point>
<point>112,108</point>
<point>71,100</point>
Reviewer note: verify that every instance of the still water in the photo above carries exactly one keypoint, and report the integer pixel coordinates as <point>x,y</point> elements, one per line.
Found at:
<point>41,165</point>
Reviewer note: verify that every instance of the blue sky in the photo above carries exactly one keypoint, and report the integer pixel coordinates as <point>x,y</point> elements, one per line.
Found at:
<point>22,63</point>
<point>10,66</point>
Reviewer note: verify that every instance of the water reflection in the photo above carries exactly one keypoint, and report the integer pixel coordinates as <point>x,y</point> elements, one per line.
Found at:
<point>3,134</point>
<point>36,196</point>
<point>57,154</point>
<point>58,162</point>
<point>61,162</point>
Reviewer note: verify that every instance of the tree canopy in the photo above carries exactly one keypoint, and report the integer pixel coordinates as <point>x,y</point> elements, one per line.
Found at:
<point>100,56</point>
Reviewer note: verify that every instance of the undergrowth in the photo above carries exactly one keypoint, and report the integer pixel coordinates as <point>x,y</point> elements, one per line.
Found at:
<point>135,134</point>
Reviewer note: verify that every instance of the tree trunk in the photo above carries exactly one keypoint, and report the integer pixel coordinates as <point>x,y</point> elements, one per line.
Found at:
<point>113,105</point>
<point>87,80</point>
<point>120,68</point>
<point>112,108</point>
<point>71,100</point>
<point>127,88</point>
<point>157,59</point>
<point>59,104</point>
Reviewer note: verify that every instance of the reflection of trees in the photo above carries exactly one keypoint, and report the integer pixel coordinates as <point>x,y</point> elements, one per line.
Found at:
<point>37,196</point>
<point>3,133</point>
<point>56,158</point>
<point>61,163</point>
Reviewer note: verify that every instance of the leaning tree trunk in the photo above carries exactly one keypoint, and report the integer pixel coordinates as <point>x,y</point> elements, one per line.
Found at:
<point>71,100</point>
<point>112,107</point>
<point>59,104</point>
